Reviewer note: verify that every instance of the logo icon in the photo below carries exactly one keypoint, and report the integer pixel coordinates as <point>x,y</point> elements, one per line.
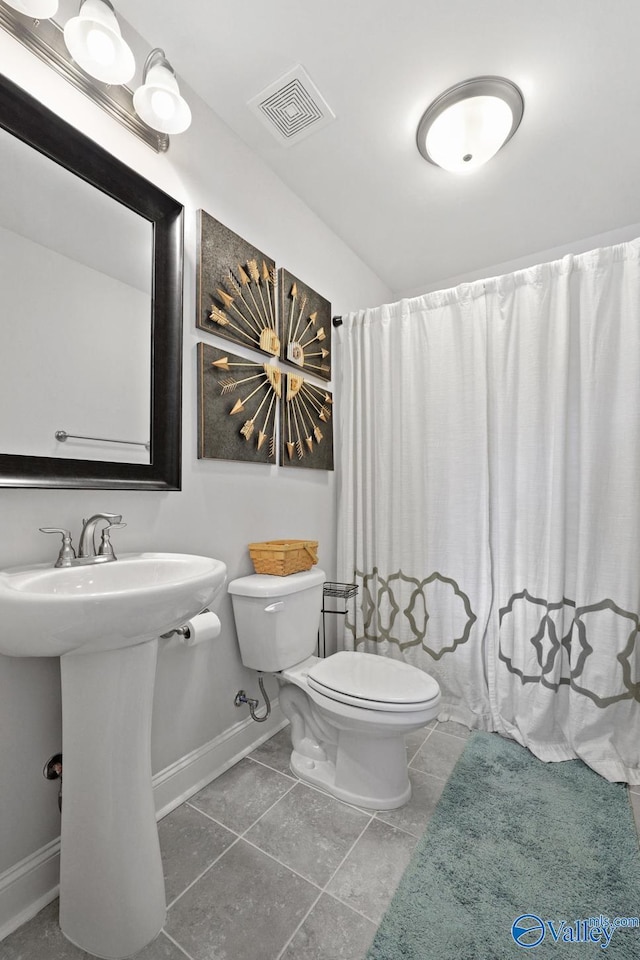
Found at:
<point>528,930</point>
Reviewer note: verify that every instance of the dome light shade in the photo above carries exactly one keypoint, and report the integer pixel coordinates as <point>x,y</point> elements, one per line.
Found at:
<point>467,124</point>
<point>94,41</point>
<point>40,9</point>
<point>158,101</point>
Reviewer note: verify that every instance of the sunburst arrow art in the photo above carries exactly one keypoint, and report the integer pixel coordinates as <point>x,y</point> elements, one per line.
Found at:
<point>317,432</point>
<point>231,281</point>
<point>254,273</point>
<point>266,281</point>
<point>218,316</point>
<point>245,280</point>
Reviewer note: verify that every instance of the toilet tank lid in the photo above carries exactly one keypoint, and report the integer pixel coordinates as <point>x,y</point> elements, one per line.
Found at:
<point>264,585</point>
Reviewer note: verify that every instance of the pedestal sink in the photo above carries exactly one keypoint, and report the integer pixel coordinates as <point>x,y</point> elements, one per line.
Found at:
<point>103,621</point>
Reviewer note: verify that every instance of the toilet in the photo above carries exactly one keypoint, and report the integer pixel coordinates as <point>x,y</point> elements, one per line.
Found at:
<point>349,712</point>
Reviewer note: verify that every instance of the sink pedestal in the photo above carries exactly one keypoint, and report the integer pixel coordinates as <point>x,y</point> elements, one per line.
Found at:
<point>112,899</point>
<point>103,620</point>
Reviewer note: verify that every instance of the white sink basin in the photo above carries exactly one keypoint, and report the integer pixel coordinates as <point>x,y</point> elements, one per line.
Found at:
<point>103,621</point>
<point>47,612</point>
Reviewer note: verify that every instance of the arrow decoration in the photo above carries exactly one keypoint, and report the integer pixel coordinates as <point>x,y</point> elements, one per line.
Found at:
<point>237,406</point>
<point>306,433</point>
<point>305,326</point>
<point>236,288</point>
<point>249,407</point>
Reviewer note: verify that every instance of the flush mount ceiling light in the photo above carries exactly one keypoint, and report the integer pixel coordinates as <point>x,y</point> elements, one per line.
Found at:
<point>94,41</point>
<point>39,9</point>
<point>158,102</point>
<point>468,123</point>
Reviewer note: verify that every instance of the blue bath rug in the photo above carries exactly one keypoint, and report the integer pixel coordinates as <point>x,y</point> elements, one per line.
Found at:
<point>520,859</point>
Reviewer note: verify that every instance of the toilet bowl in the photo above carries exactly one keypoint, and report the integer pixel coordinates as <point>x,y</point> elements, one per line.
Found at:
<point>350,712</point>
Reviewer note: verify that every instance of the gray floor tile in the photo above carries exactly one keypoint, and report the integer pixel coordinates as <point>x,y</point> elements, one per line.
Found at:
<point>635,788</point>
<point>369,876</point>
<point>438,755</point>
<point>242,794</point>
<point>414,815</point>
<point>415,740</point>
<point>42,939</point>
<point>454,729</point>
<point>189,843</point>
<point>309,832</point>
<point>160,949</point>
<point>276,752</point>
<point>331,932</point>
<point>246,906</point>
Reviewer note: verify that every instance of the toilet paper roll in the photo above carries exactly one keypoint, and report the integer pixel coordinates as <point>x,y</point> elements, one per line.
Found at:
<point>206,626</point>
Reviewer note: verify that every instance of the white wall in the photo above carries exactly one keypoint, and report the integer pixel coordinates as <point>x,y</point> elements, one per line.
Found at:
<point>222,506</point>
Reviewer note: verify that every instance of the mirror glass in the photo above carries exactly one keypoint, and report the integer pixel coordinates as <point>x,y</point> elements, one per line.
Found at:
<point>90,311</point>
<point>75,315</point>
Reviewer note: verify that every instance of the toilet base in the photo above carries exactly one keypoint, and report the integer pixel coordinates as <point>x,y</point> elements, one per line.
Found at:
<point>367,788</point>
<point>355,754</point>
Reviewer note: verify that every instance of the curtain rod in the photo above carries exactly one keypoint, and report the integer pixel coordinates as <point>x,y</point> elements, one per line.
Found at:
<point>337,321</point>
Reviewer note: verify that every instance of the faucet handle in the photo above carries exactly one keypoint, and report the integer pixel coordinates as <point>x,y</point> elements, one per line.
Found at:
<point>67,553</point>
<point>106,547</point>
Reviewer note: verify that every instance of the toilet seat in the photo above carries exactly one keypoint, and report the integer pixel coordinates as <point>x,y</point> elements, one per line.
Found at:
<point>372,683</point>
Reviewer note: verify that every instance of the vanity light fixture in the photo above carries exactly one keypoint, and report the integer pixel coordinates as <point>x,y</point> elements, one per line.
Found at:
<point>91,48</point>
<point>158,102</point>
<point>467,124</point>
<point>38,9</point>
<point>94,41</point>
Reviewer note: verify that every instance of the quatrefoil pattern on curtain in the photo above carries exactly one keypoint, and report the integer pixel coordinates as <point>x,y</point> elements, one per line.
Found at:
<point>593,648</point>
<point>406,611</point>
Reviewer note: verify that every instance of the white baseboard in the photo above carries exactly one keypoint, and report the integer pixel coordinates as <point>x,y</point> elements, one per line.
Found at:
<point>179,781</point>
<point>29,886</point>
<point>32,883</point>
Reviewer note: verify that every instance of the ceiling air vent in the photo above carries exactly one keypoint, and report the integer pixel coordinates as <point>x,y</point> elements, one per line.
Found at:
<point>292,107</point>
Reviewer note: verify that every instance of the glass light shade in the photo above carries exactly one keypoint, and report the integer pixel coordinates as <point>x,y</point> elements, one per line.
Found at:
<point>40,9</point>
<point>158,101</point>
<point>100,46</point>
<point>469,133</point>
<point>469,123</point>
<point>94,41</point>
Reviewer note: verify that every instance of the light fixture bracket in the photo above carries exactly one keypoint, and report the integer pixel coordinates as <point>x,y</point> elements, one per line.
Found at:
<point>486,86</point>
<point>157,58</point>
<point>45,38</point>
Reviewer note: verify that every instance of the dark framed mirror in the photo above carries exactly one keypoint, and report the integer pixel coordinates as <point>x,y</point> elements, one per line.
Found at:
<point>91,258</point>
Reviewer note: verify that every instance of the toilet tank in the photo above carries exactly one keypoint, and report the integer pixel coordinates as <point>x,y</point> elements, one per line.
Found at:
<point>277,618</point>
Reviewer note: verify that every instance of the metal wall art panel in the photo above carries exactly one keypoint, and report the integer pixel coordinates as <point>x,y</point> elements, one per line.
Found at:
<point>237,407</point>
<point>305,326</point>
<point>306,431</point>
<point>236,288</point>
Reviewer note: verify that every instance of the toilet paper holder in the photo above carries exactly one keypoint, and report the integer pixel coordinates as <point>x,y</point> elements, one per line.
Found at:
<point>182,631</point>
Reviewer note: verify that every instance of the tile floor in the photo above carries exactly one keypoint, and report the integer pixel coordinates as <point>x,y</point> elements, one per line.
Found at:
<point>259,866</point>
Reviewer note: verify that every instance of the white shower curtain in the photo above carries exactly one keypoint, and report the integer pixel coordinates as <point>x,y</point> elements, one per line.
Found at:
<point>489,501</point>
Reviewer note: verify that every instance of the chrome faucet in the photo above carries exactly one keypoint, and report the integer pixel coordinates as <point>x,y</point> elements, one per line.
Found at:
<point>87,552</point>
<point>87,546</point>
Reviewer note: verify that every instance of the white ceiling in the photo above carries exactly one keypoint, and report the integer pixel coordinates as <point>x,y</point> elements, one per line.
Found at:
<point>571,171</point>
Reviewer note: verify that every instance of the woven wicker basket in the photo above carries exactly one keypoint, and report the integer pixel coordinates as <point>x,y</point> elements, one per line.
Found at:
<point>280,558</point>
